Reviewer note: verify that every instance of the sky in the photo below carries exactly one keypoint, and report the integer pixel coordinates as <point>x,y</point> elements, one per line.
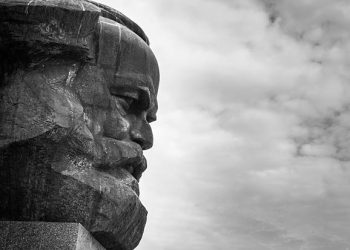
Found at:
<point>252,142</point>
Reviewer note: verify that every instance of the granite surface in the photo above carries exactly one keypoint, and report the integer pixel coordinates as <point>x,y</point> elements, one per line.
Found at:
<point>45,236</point>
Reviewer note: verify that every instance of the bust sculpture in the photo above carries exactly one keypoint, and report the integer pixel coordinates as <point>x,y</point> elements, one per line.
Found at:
<point>78,87</point>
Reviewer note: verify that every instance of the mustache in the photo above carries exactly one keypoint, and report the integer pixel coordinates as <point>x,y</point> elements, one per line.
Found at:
<point>112,154</point>
<point>104,153</point>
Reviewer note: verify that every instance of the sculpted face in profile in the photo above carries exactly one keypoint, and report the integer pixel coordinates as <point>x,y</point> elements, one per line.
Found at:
<point>78,87</point>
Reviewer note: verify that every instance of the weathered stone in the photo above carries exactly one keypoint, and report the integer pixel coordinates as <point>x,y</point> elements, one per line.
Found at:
<point>45,236</point>
<point>78,86</point>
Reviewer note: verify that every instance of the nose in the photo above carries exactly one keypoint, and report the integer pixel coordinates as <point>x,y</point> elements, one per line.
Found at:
<point>141,133</point>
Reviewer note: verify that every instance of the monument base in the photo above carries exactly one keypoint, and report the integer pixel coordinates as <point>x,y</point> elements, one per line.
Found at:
<point>46,236</point>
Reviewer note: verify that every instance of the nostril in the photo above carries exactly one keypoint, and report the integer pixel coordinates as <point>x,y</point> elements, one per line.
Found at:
<point>139,139</point>
<point>140,142</point>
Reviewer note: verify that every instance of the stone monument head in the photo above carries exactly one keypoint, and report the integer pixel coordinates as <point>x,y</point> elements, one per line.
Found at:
<point>78,87</point>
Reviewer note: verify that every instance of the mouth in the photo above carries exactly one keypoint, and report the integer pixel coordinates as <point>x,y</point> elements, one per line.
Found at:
<point>136,169</point>
<point>129,174</point>
<point>124,160</point>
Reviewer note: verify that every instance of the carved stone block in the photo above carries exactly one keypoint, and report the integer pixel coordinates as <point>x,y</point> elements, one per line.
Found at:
<point>45,236</point>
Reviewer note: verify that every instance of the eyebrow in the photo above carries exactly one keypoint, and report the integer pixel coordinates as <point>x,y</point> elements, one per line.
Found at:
<point>141,79</point>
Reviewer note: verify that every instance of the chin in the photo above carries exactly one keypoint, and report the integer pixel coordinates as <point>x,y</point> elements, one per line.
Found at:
<point>111,205</point>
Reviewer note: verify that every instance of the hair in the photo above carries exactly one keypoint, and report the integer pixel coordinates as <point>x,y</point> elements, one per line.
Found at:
<point>34,31</point>
<point>119,17</point>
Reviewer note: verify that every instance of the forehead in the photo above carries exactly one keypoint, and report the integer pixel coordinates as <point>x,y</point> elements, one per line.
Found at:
<point>126,59</point>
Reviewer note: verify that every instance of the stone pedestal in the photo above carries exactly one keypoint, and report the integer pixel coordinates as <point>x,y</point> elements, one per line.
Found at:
<point>46,236</point>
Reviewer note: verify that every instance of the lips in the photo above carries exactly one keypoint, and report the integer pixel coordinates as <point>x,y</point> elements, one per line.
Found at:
<point>137,168</point>
<point>114,153</point>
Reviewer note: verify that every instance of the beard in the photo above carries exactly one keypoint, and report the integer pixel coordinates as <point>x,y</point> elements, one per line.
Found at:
<point>61,176</point>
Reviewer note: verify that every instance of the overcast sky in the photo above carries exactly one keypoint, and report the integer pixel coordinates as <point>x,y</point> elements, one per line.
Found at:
<point>252,142</point>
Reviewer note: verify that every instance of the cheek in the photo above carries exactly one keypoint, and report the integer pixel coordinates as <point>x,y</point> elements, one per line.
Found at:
<point>106,122</point>
<point>116,125</point>
<point>94,118</point>
<point>66,108</point>
<point>91,87</point>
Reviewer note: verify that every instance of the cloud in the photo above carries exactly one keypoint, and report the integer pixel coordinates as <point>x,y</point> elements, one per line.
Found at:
<point>251,146</point>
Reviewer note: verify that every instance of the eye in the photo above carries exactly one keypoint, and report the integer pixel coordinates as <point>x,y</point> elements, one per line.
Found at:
<point>126,102</point>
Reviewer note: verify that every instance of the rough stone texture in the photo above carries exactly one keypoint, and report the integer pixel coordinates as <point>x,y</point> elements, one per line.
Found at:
<point>78,87</point>
<point>45,236</point>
